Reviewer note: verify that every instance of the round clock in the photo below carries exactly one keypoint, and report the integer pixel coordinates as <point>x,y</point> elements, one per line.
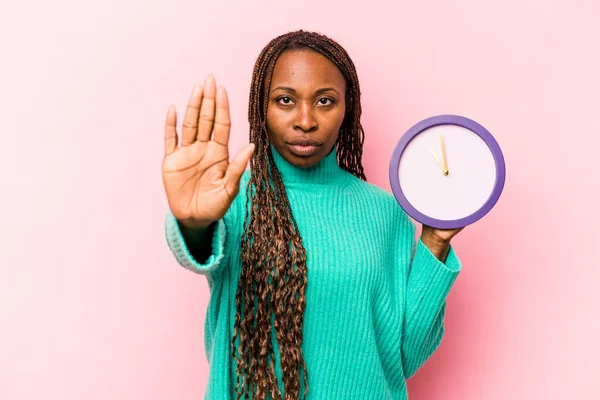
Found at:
<point>447,171</point>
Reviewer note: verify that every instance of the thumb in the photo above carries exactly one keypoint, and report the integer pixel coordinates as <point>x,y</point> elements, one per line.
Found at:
<point>237,167</point>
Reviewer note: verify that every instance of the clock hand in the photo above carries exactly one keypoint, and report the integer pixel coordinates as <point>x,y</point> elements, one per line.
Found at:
<point>436,159</point>
<point>445,166</point>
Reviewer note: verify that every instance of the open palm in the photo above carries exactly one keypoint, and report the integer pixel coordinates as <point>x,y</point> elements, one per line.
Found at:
<point>199,180</point>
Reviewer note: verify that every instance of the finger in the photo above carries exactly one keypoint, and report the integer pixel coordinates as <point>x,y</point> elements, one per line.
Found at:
<point>190,120</point>
<point>222,124</point>
<point>236,168</point>
<point>207,111</point>
<point>171,131</point>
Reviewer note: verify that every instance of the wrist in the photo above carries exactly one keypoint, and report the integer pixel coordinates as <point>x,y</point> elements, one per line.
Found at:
<point>194,225</point>
<point>438,246</point>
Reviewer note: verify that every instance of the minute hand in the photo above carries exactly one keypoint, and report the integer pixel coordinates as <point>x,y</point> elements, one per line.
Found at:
<point>445,165</point>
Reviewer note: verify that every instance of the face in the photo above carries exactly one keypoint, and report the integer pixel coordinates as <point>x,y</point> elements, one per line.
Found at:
<point>307,104</point>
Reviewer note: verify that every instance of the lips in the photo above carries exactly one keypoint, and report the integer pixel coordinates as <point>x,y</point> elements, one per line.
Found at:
<point>304,142</point>
<point>304,147</point>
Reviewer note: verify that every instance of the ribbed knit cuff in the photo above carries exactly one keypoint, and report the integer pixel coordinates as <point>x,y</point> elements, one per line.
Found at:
<point>182,253</point>
<point>452,262</point>
<point>430,281</point>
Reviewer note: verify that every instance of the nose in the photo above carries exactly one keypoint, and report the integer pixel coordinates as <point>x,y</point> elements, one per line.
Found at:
<point>305,120</point>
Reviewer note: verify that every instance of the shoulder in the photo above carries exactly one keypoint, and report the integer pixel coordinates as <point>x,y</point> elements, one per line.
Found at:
<point>373,193</point>
<point>379,202</point>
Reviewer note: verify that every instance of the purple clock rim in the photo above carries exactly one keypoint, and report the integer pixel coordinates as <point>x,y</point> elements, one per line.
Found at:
<point>484,134</point>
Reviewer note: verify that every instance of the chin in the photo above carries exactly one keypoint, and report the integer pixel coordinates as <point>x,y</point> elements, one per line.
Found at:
<point>304,162</point>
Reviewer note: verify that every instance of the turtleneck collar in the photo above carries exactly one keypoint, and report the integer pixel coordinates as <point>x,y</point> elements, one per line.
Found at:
<point>326,171</point>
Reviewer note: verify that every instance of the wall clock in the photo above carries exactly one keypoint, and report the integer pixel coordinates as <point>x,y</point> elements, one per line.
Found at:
<point>447,171</point>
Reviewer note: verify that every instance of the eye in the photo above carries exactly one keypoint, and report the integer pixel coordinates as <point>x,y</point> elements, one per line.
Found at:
<point>325,101</point>
<point>286,101</point>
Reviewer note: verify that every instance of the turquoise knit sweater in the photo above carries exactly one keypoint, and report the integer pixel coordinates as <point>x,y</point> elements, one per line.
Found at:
<point>375,298</point>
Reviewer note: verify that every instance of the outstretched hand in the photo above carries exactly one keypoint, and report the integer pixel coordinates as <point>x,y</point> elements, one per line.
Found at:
<point>200,181</point>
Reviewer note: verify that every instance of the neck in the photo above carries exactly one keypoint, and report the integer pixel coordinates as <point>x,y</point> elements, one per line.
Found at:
<point>325,172</point>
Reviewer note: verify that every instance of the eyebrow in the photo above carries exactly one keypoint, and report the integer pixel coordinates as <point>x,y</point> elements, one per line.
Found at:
<point>292,90</point>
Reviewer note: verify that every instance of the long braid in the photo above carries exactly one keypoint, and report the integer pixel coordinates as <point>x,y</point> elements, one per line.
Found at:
<point>273,279</point>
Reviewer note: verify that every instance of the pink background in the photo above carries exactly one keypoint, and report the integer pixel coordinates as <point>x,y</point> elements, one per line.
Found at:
<point>93,305</point>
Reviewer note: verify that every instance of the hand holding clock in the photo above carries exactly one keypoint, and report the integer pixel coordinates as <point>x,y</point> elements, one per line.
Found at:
<point>438,240</point>
<point>461,191</point>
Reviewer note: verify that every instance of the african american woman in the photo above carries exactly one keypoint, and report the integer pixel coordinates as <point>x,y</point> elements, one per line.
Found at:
<point>319,288</point>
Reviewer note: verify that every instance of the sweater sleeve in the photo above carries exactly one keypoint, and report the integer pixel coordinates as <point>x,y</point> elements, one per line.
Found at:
<point>225,231</point>
<point>427,286</point>
<point>182,253</point>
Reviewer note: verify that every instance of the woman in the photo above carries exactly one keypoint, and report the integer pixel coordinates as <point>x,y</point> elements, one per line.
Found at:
<point>317,287</point>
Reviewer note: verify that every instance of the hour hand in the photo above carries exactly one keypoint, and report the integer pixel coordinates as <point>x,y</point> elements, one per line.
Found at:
<point>437,160</point>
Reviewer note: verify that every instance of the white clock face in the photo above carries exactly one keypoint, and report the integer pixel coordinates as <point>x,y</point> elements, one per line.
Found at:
<point>471,172</point>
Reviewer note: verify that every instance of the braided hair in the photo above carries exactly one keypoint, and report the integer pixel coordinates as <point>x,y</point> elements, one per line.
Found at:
<point>273,278</point>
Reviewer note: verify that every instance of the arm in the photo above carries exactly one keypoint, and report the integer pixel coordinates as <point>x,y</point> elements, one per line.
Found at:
<point>427,285</point>
<point>200,182</point>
